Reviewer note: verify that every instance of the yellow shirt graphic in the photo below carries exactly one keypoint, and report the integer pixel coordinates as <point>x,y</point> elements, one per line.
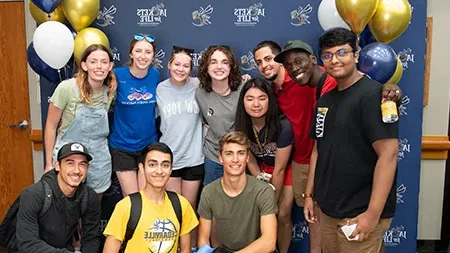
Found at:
<point>157,231</point>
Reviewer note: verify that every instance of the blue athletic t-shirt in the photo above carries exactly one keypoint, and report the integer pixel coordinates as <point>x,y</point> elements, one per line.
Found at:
<point>133,126</point>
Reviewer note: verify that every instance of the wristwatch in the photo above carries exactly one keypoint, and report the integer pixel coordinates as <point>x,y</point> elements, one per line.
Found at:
<point>307,195</point>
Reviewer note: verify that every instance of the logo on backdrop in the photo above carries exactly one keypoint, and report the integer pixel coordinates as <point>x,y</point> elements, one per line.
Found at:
<point>400,192</point>
<point>116,54</point>
<point>196,57</point>
<point>300,16</point>
<point>406,56</point>
<point>403,148</point>
<point>201,16</point>
<point>299,230</point>
<point>249,16</point>
<point>248,61</point>
<point>159,57</point>
<point>394,236</point>
<point>105,17</point>
<point>151,17</point>
<point>403,106</point>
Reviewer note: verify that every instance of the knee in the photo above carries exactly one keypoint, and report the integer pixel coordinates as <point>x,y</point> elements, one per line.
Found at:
<point>284,217</point>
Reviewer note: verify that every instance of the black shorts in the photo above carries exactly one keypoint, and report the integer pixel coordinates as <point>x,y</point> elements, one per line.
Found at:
<point>124,161</point>
<point>193,173</point>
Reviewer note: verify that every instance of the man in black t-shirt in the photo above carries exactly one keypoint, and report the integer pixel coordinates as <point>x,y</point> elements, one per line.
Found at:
<point>353,164</point>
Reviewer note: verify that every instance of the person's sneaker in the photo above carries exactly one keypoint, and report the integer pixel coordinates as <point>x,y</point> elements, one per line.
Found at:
<point>194,249</point>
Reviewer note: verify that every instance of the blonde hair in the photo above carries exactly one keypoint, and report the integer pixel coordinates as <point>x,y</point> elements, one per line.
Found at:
<point>235,137</point>
<point>82,80</point>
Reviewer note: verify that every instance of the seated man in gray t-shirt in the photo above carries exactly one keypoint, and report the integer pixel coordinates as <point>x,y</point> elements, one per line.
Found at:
<point>243,207</point>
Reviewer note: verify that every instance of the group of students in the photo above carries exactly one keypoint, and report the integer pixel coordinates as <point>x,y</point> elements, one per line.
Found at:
<point>336,158</point>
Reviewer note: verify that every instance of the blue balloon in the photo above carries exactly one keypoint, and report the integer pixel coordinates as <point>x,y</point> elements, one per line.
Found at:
<point>378,60</point>
<point>47,6</point>
<point>366,37</point>
<point>40,67</point>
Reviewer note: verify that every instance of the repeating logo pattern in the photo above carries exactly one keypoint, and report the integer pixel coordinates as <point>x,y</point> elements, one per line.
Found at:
<point>403,107</point>
<point>403,148</point>
<point>249,16</point>
<point>201,16</point>
<point>299,231</point>
<point>116,54</point>
<point>105,17</point>
<point>406,56</point>
<point>153,16</point>
<point>401,189</point>
<point>159,58</point>
<point>394,236</point>
<point>248,62</point>
<point>300,16</point>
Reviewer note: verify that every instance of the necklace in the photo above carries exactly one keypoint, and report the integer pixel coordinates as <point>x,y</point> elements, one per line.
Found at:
<point>222,93</point>
<point>260,145</point>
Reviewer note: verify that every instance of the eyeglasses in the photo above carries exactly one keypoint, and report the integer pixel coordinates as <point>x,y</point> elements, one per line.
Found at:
<point>177,49</point>
<point>340,54</point>
<point>140,36</point>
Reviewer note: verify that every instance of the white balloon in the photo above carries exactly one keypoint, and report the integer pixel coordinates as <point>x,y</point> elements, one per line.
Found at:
<point>329,16</point>
<point>53,43</point>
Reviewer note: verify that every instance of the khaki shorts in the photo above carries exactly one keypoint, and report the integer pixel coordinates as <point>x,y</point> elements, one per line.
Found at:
<point>299,179</point>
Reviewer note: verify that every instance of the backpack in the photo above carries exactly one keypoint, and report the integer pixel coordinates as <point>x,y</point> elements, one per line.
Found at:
<point>320,86</point>
<point>8,226</point>
<point>136,210</point>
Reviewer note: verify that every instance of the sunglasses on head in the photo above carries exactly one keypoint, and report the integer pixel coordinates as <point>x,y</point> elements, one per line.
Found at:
<point>177,49</point>
<point>140,36</point>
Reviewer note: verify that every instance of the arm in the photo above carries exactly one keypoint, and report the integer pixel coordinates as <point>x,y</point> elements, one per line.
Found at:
<point>112,245</point>
<point>27,228</point>
<point>253,166</point>
<point>91,225</point>
<point>185,243</point>
<point>281,160</point>
<point>308,209</point>
<point>53,118</point>
<point>268,239</point>
<point>204,232</point>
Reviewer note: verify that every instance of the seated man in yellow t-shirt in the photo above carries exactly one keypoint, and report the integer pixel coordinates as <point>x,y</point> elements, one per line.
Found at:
<point>158,228</point>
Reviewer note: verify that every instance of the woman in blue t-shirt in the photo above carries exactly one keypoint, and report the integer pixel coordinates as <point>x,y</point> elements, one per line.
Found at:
<point>133,125</point>
<point>272,138</point>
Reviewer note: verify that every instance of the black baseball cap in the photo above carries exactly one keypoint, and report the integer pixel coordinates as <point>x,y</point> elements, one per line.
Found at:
<point>72,149</point>
<point>293,45</point>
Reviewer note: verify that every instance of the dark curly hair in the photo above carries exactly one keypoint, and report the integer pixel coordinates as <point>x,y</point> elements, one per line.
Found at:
<point>235,77</point>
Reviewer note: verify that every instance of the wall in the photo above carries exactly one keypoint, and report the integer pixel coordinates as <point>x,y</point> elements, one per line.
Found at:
<point>435,122</point>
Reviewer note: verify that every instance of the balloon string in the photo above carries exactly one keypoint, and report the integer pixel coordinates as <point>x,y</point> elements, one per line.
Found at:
<point>59,73</point>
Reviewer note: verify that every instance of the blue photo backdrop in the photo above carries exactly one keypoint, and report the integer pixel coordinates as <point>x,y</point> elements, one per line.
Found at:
<point>242,24</point>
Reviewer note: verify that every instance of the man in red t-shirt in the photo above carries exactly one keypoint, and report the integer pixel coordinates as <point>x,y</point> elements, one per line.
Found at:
<point>296,86</point>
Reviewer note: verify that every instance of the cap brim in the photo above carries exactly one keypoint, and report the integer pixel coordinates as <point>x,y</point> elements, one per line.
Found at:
<point>280,57</point>
<point>88,156</point>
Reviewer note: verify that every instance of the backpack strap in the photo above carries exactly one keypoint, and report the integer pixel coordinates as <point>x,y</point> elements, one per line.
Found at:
<point>135,215</point>
<point>47,199</point>
<point>320,86</point>
<point>175,200</point>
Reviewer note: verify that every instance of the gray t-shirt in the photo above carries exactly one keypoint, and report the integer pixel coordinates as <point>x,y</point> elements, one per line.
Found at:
<point>181,122</point>
<point>237,218</point>
<point>219,113</point>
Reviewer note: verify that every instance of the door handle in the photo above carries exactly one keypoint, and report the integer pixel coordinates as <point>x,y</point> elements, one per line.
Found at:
<point>22,125</point>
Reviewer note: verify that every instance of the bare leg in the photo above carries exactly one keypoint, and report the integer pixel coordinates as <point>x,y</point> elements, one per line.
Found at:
<point>174,185</point>
<point>128,181</point>
<point>141,180</point>
<point>189,189</point>
<point>284,218</point>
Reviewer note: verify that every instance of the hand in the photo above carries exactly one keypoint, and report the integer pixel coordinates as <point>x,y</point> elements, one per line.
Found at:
<point>246,77</point>
<point>392,92</point>
<point>308,210</point>
<point>366,222</point>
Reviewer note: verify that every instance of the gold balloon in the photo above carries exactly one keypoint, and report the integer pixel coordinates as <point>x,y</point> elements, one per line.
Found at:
<point>397,74</point>
<point>81,13</point>
<point>391,20</point>
<point>356,13</point>
<point>40,17</point>
<point>87,37</point>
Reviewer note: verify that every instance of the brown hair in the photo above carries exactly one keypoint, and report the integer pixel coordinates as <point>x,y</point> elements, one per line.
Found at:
<point>234,79</point>
<point>82,77</point>
<point>133,43</point>
<point>236,137</point>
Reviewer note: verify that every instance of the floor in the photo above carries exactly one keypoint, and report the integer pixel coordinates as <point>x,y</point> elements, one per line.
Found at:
<point>430,246</point>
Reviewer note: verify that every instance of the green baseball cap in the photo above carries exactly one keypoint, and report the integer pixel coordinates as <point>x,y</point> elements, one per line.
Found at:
<point>293,45</point>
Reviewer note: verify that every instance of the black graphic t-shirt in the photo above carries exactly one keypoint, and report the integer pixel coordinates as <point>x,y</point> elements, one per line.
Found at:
<point>285,138</point>
<point>346,124</point>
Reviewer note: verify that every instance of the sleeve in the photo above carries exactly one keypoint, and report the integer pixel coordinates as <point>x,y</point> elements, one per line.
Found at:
<point>372,121</point>
<point>27,228</point>
<point>189,220</point>
<point>118,221</point>
<point>204,207</point>
<point>312,128</point>
<point>62,95</point>
<point>329,84</point>
<point>286,136</point>
<point>90,242</point>
<point>266,201</point>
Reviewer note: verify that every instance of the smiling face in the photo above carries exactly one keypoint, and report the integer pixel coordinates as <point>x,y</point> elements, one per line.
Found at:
<point>267,66</point>
<point>97,65</point>
<point>300,66</point>
<point>180,67</point>
<point>340,61</point>
<point>72,170</point>
<point>256,103</point>
<point>219,66</point>
<point>234,158</point>
<point>142,55</point>
<point>156,168</point>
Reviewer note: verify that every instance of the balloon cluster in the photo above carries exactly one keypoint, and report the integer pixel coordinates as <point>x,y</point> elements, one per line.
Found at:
<point>377,23</point>
<point>62,34</point>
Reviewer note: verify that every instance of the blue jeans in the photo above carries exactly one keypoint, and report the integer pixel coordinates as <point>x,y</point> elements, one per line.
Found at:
<point>213,171</point>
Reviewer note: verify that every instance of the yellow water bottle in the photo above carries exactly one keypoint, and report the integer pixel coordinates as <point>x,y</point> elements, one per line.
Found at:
<point>389,111</point>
